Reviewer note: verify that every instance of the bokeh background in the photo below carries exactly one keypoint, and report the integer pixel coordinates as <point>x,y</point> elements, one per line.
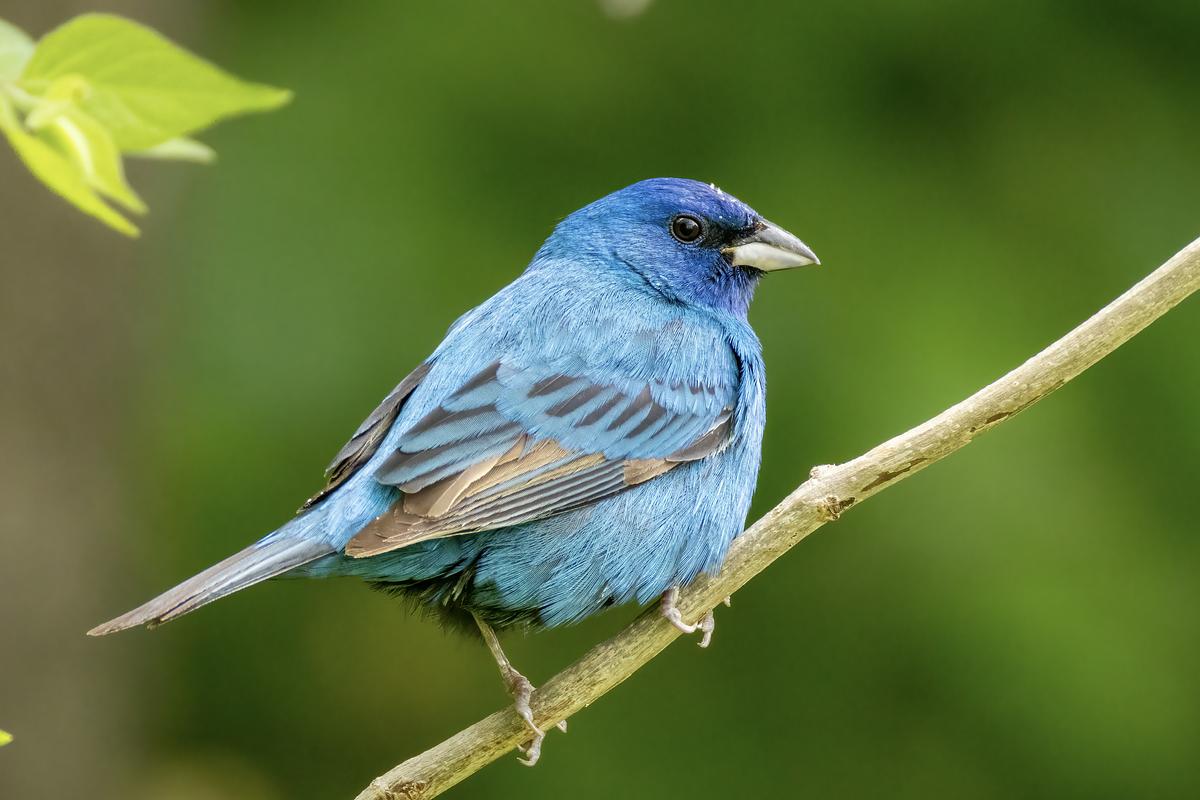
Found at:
<point>1019,621</point>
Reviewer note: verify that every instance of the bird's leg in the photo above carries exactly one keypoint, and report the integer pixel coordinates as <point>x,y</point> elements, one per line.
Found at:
<point>670,610</point>
<point>521,690</point>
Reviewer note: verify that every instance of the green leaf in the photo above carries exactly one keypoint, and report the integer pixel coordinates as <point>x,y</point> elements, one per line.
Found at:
<point>143,88</point>
<point>5,738</point>
<point>57,171</point>
<point>87,145</point>
<point>61,96</point>
<point>181,149</point>
<point>15,49</point>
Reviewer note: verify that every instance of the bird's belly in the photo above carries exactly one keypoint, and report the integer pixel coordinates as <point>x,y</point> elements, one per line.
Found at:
<point>632,546</point>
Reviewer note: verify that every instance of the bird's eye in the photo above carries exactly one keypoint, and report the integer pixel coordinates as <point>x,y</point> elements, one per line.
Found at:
<point>686,228</point>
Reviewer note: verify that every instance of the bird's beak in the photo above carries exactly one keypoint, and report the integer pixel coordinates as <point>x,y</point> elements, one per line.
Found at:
<point>768,248</point>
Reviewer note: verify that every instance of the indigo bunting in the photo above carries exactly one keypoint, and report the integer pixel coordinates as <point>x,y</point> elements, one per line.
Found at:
<point>588,436</point>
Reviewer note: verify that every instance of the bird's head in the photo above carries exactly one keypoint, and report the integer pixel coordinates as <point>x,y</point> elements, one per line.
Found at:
<point>689,241</point>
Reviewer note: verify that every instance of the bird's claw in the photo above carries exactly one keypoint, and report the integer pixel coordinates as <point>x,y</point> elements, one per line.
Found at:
<point>522,691</point>
<point>532,750</point>
<point>706,625</point>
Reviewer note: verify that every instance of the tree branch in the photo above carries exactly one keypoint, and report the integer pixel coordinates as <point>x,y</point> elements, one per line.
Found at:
<point>829,491</point>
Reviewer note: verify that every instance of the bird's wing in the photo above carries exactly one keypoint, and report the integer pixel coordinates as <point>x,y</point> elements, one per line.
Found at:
<point>519,443</point>
<point>366,439</point>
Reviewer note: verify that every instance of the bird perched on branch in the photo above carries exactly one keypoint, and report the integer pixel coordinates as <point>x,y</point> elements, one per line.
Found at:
<point>588,436</point>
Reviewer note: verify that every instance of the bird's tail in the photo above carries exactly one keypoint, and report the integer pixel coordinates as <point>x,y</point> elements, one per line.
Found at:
<point>264,559</point>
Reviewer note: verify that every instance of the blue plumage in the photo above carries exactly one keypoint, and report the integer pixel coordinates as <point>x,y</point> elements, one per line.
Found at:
<point>588,436</point>
<point>631,545</point>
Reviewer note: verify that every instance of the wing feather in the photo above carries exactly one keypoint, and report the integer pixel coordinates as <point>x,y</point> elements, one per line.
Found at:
<point>367,438</point>
<point>518,444</point>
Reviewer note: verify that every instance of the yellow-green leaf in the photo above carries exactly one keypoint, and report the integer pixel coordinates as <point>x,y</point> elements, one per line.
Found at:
<point>181,149</point>
<point>15,49</point>
<point>88,146</point>
<point>61,96</point>
<point>143,88</point>
<point>56,171</point>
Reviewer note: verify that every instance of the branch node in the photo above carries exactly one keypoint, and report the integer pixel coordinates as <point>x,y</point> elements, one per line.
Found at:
<point>820,471</point>
<point>831,506</point>
<point>408,790</point>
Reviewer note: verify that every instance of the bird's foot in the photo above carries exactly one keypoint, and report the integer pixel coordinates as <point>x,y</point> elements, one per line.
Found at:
<point>522,690</point>
<point>670,610</point>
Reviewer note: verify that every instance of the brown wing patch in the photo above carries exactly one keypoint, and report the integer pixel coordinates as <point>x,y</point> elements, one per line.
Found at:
<point>518,462</point>
<point>529,481</point>
<point>643,469</point>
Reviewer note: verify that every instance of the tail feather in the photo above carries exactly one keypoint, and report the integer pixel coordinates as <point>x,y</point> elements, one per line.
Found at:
<point>261,560</point>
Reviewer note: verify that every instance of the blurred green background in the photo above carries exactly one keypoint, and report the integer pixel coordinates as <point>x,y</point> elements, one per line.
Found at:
<point>1016,622</point>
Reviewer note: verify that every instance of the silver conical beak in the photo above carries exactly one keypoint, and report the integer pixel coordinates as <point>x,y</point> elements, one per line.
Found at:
<point>770,248</point>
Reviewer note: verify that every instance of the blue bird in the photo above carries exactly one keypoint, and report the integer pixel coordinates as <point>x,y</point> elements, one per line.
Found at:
<point>588,436</point>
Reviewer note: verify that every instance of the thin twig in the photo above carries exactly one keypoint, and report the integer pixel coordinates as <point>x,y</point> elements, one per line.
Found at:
<point>829,491</point>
